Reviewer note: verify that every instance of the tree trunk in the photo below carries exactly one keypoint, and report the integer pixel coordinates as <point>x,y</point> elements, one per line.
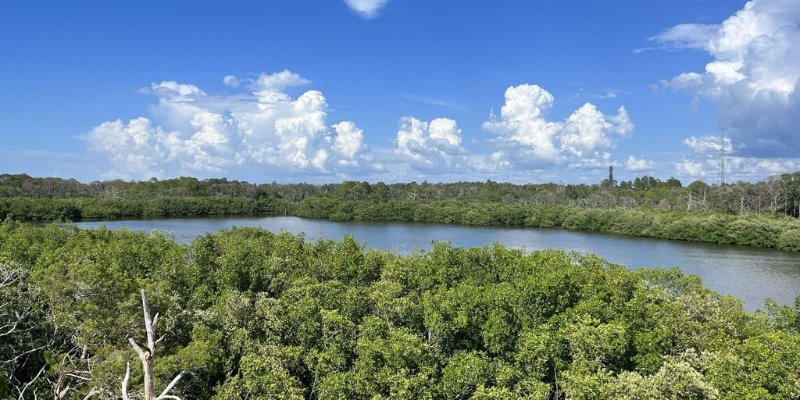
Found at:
<point>147,357</point>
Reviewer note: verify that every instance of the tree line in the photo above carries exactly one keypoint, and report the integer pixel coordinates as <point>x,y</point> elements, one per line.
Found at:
<point>779,194</point>
<point>246,313</point>
<point>762,214</point>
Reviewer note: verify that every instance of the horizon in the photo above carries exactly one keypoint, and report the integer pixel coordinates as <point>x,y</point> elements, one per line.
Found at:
<point>600,182</point>
<point>383,90</point>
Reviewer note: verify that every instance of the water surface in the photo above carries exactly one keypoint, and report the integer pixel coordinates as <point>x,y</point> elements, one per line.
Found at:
<point>752,274</point>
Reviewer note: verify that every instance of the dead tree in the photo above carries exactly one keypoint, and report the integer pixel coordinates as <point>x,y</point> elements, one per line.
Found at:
<point>774,186</point>
<point>148,356</point>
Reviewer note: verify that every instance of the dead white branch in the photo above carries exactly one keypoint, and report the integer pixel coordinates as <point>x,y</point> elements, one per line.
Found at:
<point>147,357</point>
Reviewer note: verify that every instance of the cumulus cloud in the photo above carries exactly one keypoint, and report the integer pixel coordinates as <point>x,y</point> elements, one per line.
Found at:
<point>434,144</point>
<point>278,81</point>
<point>230,80</point>
<point>634,164</point>
<point>208,148</point>
<point>349,142</point>
<point>195,132</point>
<point>265,127</point>
<point>708,145</point>
<point>527,137</point>
<point>691,169</point>
<point>133,149</point>
<point>753,78</point>
<point>366,8</point>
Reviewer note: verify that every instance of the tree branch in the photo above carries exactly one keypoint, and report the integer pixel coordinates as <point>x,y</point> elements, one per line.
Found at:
<point>125,381</point>
<point>139,350</point>
<point>169,387</point>
<point>161,339</point>
<point>148,325</point>
<point>27,385</point>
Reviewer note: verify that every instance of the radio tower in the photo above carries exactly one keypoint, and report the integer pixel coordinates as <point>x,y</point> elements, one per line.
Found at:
<point>722,159</point>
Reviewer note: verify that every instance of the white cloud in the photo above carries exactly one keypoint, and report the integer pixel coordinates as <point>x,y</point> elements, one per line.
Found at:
<point>634,164</point>
<point>263,130</point>
<point>609,94</point>
<point>445,131</point>
<point>759,168</point>
<point>426,145</point>
<point>197,132</point>
<point>366,8</point>
<point>690,168</point>
<point>278,81</point>
<point>684,81</point>
<point>133,149</point>
<point>736,168</point>
<point>175,91</point>
<point>528,138</point>
<point>687,36</point>
<point>494,163</point>
<point>349,142</point>
<point>208,147</point>
<point>708,145</point>
<point>230,80</point>
<point>753,78</point>
<point>704,161</point>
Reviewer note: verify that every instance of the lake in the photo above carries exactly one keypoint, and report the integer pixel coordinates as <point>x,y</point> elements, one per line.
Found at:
<point>752,274</point>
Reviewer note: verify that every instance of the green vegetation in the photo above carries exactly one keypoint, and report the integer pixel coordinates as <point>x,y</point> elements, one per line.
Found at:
<point>251,314</point>
<point>762,214</point>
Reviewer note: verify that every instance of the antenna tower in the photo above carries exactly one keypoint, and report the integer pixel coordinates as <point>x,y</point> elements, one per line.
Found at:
<point>722,159</point>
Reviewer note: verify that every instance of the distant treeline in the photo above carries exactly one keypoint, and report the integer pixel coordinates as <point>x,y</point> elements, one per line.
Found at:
<point>752,214</point>
<point>77,209</point>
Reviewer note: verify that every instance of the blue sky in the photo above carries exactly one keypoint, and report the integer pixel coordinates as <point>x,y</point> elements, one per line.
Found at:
<point>399,90</point>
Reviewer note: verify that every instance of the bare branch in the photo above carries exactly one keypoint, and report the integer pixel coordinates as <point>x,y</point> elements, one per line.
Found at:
<point>148,324</point>
<point>164,394</point>
<point>27,385</point>
<point>62,393</point>
<point>125,381</point>
<point>139,350</point>
<point>91,394</point>
<point>78,376</point>
<point>20,355</point>
<point>12,327</point>
<point>161,339</point>
<point>147,357</point>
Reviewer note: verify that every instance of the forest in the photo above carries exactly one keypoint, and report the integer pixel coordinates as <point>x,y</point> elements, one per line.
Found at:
<point>246,313</point>
<point>762,214</point>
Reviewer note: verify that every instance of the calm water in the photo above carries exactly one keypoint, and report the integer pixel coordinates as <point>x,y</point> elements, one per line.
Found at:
<point>751,274</point>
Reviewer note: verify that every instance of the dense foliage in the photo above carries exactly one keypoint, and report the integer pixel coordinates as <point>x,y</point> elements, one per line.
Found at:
<point>251,314</point>
<point>779,194</point>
